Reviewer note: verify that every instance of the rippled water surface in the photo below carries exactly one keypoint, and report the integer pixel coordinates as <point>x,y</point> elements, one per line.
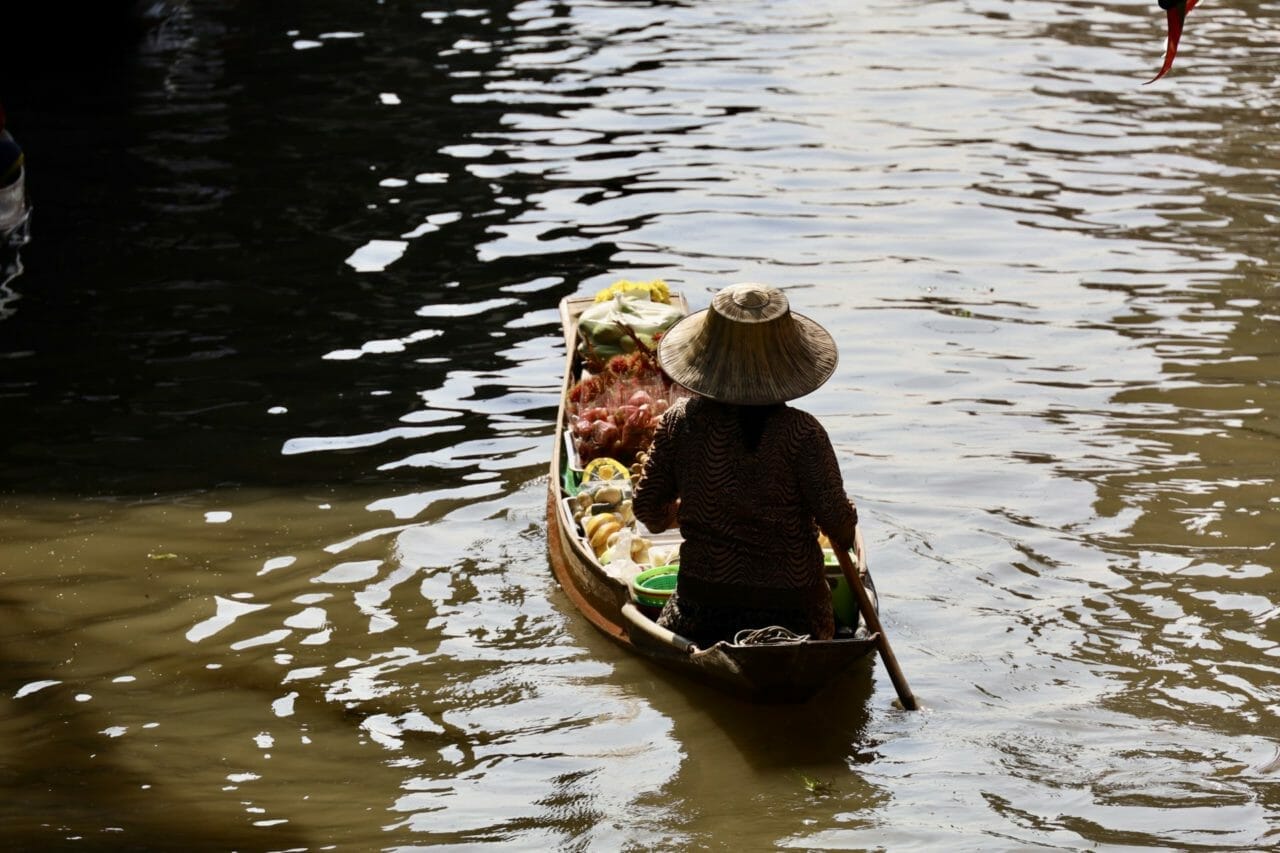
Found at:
<point>280,370</point>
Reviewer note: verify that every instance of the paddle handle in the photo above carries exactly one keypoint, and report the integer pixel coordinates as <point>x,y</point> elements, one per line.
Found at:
<point>872,618</point>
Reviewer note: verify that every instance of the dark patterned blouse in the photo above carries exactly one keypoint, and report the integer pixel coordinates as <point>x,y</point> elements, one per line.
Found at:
<point>749,516</point>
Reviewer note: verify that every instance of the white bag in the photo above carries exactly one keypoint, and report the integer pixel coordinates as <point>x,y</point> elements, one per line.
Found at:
<point>616,559</point>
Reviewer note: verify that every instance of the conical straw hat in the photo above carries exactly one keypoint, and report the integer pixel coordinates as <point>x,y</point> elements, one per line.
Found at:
<point>748,348</point>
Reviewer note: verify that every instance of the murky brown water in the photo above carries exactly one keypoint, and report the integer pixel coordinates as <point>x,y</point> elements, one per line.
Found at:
<point>278,384</point>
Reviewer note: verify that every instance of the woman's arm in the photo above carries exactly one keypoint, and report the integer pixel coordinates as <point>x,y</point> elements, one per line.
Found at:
<point>656,499</point>
<point>823,488</point>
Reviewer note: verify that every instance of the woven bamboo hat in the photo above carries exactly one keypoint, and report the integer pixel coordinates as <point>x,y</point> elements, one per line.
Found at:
<point>748,348</point>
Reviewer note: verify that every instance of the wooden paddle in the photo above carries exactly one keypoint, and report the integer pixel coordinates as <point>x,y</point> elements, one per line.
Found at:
<point>868,610</point>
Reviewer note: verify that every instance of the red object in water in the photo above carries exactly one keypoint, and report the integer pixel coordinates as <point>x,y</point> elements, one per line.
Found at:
<point>1176,11</point>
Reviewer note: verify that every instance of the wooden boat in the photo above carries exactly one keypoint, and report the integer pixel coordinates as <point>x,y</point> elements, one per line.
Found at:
<point>771,672</point>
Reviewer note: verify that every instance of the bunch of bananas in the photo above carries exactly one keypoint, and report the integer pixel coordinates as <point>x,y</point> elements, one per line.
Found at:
<point>604,514</point>
<point>601,530</point>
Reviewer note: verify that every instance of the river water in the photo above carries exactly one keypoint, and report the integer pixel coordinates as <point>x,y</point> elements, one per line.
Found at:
<point>279,376</point>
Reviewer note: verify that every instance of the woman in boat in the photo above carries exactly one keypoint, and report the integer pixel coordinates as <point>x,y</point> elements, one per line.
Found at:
<point>749,480</point>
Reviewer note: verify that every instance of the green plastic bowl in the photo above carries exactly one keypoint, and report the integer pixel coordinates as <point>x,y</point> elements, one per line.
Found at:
<point>843,602</point>
<point>653,587</point>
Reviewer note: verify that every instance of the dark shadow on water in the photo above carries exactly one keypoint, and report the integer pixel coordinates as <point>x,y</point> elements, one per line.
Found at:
<point>195,202</point>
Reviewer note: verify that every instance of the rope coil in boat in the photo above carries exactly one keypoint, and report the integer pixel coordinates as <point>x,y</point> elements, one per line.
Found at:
<point>771,636</point>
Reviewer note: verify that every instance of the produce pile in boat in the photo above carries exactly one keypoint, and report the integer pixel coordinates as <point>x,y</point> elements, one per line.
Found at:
<point>615,405</point>
<point>602,509</point>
